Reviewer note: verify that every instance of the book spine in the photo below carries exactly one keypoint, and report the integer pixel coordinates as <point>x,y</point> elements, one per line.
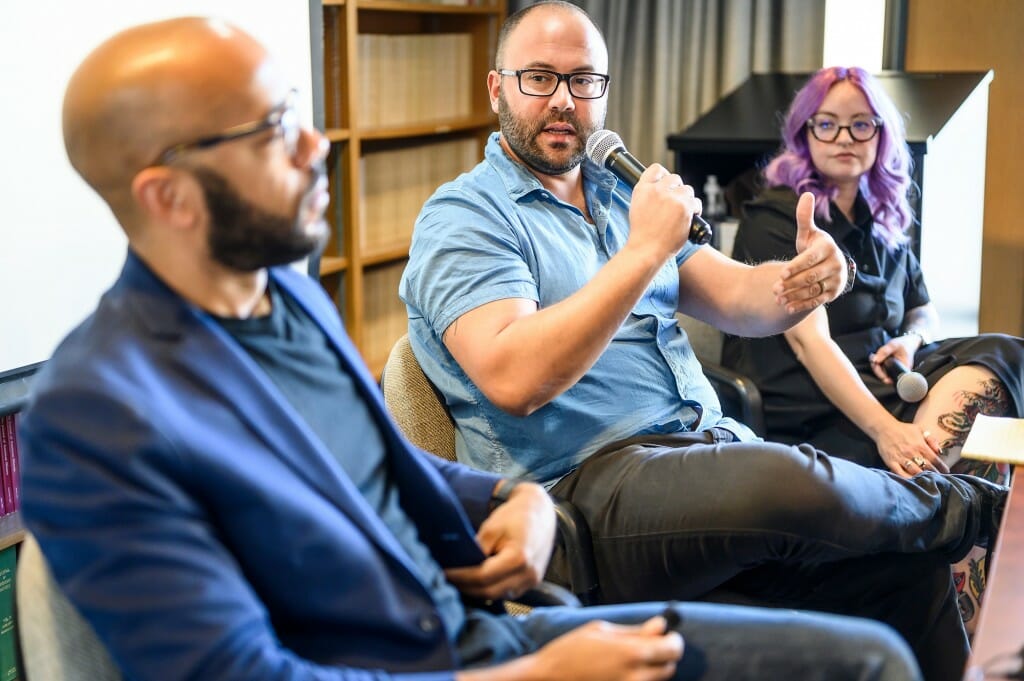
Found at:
<point>6,426</point>
<point>9,667</point>
<point>15,463</point>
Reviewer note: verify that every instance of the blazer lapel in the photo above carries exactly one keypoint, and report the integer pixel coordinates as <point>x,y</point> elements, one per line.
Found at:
<point>208,353</point>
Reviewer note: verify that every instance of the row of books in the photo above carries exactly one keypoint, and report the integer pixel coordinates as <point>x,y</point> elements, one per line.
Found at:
<point>396,184</point>
<point>10,476</point>
<point>385,318</point>
<point>415,78</point>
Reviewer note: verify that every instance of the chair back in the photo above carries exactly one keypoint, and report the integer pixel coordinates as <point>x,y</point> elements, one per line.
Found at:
<point>415,404</point>
<point>57,644</point>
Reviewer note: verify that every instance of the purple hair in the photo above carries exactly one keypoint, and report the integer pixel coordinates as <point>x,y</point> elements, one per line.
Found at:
<point>884,186</point>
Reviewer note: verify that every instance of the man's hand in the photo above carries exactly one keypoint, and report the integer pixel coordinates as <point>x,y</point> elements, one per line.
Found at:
<point>817,275</point>
<point>660,212</point>
<point>517,539</point>
<point>596,651</point>
<point>600,650</point>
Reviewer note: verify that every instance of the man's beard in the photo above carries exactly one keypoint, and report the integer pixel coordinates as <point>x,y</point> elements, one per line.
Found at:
<point>247,238</point>
<point>521,137</point>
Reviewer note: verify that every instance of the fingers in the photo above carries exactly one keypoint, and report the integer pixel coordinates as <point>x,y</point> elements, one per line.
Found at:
<point>804,221</point>
<point>807,289</point>
<point>503,576</point>
<point>926,458</point>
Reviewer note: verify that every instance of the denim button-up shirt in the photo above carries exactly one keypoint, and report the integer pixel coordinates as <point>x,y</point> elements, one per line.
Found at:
<point>497,233</point>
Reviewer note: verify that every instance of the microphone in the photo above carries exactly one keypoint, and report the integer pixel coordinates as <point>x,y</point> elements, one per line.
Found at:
<point>910,385</point>
<point>606,148</point>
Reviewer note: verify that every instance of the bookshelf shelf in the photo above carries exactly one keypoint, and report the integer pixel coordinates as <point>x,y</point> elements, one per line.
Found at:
<point>386,256</point>
<point>429,128</point>
<point>12,530</point>
<point>432,7</point>
<point>405,106</point>
<point>332,265</point>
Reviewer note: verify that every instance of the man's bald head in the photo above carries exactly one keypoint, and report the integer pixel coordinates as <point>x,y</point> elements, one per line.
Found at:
<point>150,87</point>
<point>513,21</point>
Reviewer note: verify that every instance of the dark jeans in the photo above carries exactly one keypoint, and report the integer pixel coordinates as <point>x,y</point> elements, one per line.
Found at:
<point>722,642</point>
<point>679,517</point>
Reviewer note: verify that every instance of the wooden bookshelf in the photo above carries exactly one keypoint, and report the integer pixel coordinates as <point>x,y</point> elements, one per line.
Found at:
<point>405,107</point>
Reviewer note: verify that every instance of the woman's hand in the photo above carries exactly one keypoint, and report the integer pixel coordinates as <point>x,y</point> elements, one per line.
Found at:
<point>907,450</point>
<point>902,348</point>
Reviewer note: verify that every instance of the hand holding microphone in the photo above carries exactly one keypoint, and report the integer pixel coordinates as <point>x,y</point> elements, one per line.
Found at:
<point>910,385</point>
<point>606,148</point>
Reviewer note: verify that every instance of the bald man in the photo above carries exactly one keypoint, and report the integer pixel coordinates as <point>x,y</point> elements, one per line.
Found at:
<point>542,296</point>
<point>211,473</point>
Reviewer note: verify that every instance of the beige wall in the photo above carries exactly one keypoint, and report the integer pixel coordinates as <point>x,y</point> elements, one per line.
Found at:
<point>976,35</point>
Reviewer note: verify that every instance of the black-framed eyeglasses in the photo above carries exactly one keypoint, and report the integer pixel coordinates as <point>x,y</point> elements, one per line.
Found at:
<point>827,129</point>
<point>543,83</point>
<point>283,119</point>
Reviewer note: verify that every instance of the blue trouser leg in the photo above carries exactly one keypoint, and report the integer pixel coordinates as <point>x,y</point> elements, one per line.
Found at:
<point>737,643</point>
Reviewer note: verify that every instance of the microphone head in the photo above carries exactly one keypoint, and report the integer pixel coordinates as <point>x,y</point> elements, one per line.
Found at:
<point>911,387</point>
<point>601,144</point>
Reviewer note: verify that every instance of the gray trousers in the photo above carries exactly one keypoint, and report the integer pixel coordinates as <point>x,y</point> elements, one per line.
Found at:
<point>678,516</point>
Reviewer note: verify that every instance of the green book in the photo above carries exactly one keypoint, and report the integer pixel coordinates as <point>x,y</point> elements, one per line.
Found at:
<point>9,668</point>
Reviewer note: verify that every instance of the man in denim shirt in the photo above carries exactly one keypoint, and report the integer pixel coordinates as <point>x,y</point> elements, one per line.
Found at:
<point>541,294</point>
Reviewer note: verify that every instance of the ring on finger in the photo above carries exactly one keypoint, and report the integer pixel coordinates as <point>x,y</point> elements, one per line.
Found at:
<point>921,463</point>
<point>907,463</point>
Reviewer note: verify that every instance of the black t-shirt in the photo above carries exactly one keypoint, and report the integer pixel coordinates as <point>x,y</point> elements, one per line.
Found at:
<point>299,359</point>
<point>889,282</point>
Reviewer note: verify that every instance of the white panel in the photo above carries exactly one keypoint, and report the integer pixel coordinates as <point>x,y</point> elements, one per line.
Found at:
<point>59,245</point>
<point>952,213</point>
<point>854,33</point>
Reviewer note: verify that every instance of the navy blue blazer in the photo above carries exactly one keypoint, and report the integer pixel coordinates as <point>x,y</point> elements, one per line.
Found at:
<point>198,523</point>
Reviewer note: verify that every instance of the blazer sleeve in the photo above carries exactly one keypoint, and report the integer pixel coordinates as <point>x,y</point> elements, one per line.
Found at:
<point>472,487</point>
<point>139,557</point>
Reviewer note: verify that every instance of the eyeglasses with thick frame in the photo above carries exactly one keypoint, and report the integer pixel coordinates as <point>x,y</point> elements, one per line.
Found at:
<point>826,129</point>
<point>544,83</point>
<point>283,119</point>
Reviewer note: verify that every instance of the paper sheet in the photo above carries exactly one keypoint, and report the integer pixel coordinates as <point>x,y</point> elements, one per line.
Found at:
<point>995,438</point>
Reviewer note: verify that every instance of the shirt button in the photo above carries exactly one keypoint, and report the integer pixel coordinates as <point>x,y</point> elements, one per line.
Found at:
<point>428,623</point>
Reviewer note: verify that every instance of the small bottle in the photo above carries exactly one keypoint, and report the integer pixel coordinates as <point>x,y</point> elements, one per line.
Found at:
<point>714,202</point>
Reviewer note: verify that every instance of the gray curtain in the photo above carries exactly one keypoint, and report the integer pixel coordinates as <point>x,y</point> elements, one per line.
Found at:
<point>672,60</point>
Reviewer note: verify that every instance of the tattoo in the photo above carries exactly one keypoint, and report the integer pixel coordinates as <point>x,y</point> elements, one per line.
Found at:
<point>990,400</point>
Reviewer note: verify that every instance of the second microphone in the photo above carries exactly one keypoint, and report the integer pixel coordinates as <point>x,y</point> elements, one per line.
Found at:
<point>606,148</point>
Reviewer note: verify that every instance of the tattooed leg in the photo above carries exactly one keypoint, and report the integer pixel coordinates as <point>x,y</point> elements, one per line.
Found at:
<point>949,412</point>
<point>952,405</point>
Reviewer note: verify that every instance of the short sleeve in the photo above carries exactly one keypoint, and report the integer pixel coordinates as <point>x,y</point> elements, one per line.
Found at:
<point>464,254</point>
<point>916,294</point>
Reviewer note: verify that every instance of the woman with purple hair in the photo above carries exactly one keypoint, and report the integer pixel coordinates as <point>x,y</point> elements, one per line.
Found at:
<point>823,381</point>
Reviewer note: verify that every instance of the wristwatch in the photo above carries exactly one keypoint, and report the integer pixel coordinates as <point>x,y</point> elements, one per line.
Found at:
<point>502,492</point>
<point>851,273</point>
<point>920,334</point>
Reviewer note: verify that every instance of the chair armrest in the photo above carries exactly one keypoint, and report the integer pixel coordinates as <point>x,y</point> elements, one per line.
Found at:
<point>578,547</point>
<point>739,396</point>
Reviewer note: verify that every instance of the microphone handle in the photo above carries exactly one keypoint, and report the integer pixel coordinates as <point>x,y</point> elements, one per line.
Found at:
<point>894,368</point>
<point>628,169</point>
